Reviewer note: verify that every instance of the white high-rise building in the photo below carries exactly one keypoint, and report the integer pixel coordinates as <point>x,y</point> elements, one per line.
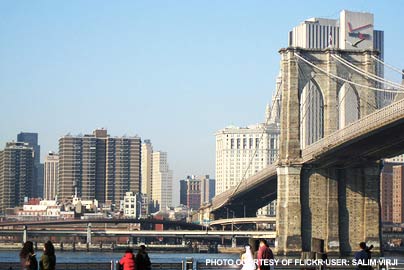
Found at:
<point>51,169</point>
<point>237,146</point>
<point>162,181</point>
<point>320,33</point>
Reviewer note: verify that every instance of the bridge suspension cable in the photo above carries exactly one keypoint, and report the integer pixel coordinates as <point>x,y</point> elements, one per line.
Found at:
<point>366,73</point>
<point>387,65</point>
<point>345,80</point>
<point>259,141</point>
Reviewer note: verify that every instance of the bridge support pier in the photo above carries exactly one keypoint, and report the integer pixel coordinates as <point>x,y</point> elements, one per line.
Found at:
<point>89,233</point>
<point>288,222</point>
<point>359,207</point>
<point>319,199</point>
<point>340,208</point>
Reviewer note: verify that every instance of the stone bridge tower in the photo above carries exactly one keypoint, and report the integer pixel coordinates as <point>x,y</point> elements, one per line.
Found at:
<point>329,205</point>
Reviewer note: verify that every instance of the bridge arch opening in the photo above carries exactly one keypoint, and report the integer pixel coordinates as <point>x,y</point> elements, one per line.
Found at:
<point>348,105</point>
<point>311,114</point>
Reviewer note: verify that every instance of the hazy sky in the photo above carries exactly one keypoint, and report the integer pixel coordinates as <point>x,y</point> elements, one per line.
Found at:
<point>170,71</point>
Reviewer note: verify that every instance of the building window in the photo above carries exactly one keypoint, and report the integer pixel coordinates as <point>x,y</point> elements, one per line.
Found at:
<point>244,143</point>
<point>231,143</point>
<point>238,143</point>
<point>272,143</point>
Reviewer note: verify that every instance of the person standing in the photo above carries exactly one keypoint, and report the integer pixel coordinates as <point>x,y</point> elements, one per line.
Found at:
<point>264,256</point>
<point>142,259</point>
<point>128,260</point>
<point>48,259</point>
<point>27,257</point>
<point>247,259</point>
<point>362,257</point>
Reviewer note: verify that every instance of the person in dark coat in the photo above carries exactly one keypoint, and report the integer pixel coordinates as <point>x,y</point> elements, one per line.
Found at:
<point>48,259</point>
<point>27,257</point>
<point>142,259</point>
<point>362,257</point>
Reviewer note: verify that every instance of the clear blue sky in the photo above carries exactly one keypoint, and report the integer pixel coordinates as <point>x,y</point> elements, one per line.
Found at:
<point>170,71</point>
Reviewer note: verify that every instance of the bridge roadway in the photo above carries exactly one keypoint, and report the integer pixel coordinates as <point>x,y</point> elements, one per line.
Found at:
<point>373,137</point>
<point>174,233</point>
<point>247,220</point>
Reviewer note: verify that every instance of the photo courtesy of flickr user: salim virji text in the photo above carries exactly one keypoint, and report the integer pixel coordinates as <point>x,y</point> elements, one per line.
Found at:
<point>305,262</point>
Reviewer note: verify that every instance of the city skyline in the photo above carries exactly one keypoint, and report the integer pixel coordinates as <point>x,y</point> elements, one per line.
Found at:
<point>161,71</point>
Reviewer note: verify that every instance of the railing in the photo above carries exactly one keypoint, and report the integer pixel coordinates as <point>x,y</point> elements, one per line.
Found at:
<point>64,266</point>
<point>95,266</point>
<point>188,265</point>
<point>370,122</point>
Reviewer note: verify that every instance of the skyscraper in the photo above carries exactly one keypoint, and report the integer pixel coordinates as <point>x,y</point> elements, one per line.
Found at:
<point>392,192</point>
<point>244,151</point>
<point>51,170</point>
<point>320,33</point>
<point>146,164</point>
<point>98,166</point>
<point>190,192</point>
<point>183,192</point>
<point>207,189</point>
<point>237,147</point>
<point>38,180</point>
<point>16,174</point>
<point>162,181</point>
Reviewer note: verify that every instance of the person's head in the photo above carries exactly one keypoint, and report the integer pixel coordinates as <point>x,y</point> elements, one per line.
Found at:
<point>247,247</point>
<point>129,250</point>
<point>142,249</point>
<point>27,249</point>
<point>362,245</point>
<point>48,248</point>
<point>263,242</point>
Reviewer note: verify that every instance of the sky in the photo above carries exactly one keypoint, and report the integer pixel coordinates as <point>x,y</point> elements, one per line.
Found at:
<point>173,71</point>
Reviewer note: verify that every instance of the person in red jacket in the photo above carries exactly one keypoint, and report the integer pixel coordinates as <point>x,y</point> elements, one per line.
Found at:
<point>264,256</point>
<point>128,260</point>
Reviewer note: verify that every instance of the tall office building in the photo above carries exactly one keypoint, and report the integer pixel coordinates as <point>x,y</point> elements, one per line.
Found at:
<point>98,166</point>
<point>51,170</point>
<point>16,174</point>
<point>162,180</point>
<point>207,189</point>
<point>190,192</point>
<point>183,192</point>
<point>320,33</point>
<point>146,164</point>
<point>38,177</point>
<point>236,147</point>
<point>243,151</point>
<point>392,193</point>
